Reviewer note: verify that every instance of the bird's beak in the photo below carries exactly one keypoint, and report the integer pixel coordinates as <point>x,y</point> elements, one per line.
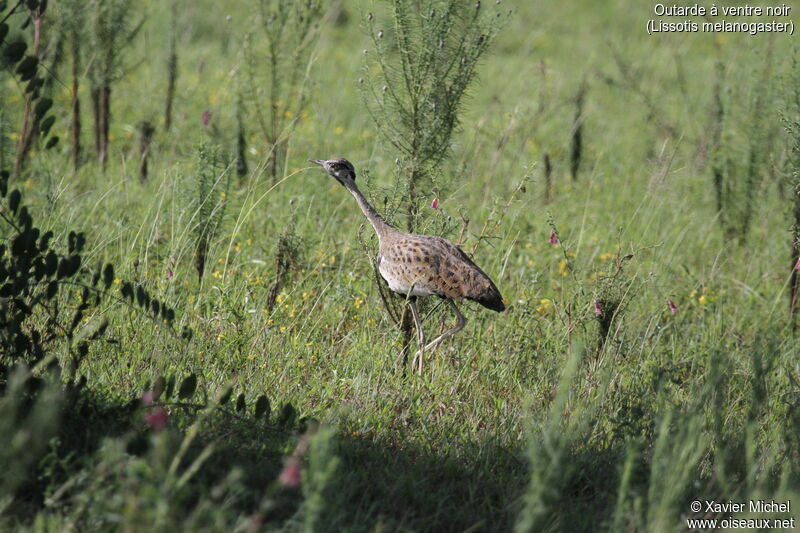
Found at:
<point>320,162</point>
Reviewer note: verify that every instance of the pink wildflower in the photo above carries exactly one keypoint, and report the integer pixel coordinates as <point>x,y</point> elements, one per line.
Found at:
<point>148,397</point>
<point>157,418</point>
<point>797,266</point>
<point>553,238</point>
<point>435,203</point>
<point>672,307</point>
<point>169,273</point>
<point>597,310</point>
<point>290,475</point>
<point>206,118</point>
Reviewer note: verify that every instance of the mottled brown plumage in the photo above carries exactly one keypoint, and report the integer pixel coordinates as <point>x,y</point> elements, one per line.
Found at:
<point>420,265</point>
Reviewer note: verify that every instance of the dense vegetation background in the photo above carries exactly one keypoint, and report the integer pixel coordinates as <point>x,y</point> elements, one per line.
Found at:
<point>222,331</point>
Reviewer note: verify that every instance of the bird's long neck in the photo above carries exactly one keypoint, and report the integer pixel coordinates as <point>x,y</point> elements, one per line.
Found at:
<point>381,226</point>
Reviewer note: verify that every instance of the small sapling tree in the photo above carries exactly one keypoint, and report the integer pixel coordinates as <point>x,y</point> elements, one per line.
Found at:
<point>416,80</point>
<point>289,30</point>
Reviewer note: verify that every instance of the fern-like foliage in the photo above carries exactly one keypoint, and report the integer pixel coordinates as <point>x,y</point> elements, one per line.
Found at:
<point>791,122</point>
<point>212,180</point>
<point>424,59</point>
<point>276,65</point>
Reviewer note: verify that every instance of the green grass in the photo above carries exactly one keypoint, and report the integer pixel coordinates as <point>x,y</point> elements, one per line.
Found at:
<point>496,433</point>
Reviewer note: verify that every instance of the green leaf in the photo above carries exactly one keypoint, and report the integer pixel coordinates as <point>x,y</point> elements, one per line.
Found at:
<point>287,416</point>
<point>25,219</point>
<point>96,275</point>
<point>52,290</point>
<point>126,289</point>
<point>27,67</point>
<point>187,388</point>
<point>225,398</point>
<point>108,275</point>
<point>240,403</point>
<point>25,243</point>
<point>262,407</point>
<point>46,124</point>
<point>76,320</point>
<point>42,107</point>
<point>68,266</point>
<point>7,290</point>
<point>50,263</point>
<point>3,29</point>
<point>170,387</point>
<point>34,84</point>
<point>13,200</point>
<point>83,350</point>
<point>74,265</point>
<point>51,142</point>
<point>142,299</point>
<point>13,52</point>
<point>158,387</point>
<point>44,242</point>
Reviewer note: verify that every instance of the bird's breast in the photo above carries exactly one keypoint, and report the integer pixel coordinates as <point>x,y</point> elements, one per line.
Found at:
<point>404,278</point>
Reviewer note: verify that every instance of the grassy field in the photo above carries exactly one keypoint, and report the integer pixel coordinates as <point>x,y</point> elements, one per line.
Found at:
<point>532,419</point>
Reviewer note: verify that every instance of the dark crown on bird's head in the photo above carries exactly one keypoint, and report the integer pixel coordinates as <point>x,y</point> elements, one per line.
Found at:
<point>339,168</point>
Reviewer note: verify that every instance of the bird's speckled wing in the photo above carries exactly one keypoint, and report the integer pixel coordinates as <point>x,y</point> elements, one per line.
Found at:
<point>426,265</point>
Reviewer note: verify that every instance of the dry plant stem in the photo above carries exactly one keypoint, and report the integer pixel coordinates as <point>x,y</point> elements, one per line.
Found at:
<point>146,131</point>
<point>485,230</point>
<point>172,68</point>
<point>76,101</point>
<point>548,177</point>
<point>30,125</point>
<point>577,133</point>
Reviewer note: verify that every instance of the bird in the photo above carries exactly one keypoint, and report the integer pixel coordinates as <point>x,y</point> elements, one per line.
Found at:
<point>417,266</point>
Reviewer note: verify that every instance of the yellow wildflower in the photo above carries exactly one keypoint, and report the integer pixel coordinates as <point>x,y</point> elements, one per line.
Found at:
<point>544,306</point>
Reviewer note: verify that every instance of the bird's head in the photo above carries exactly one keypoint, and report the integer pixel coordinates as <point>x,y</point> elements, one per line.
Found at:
<point>341,169</point>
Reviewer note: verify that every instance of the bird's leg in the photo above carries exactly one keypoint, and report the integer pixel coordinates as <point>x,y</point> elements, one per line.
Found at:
<point>412,302</point>
<point>460,323</point>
